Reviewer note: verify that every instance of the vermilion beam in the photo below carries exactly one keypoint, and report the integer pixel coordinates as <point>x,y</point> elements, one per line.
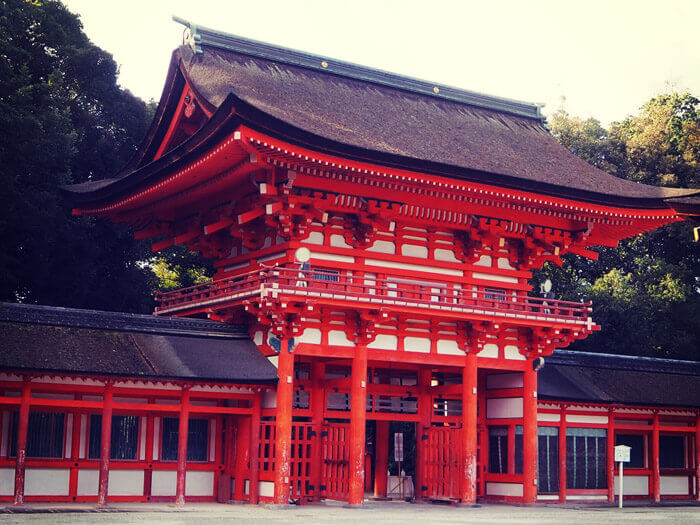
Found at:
<point>469,431</point>
<point>529,434</point>
<point>183,429</point>
<point>22,443</point>
<point>358,416</point>
<point>105,444</point>
<point>283,442</point>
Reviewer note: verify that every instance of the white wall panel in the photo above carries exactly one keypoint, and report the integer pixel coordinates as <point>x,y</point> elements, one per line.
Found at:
<point>504,489</point>
<point>125,482</point>
<point>87,482</point>
<point>490,350</point>
<point>384,342</point>
<point>416,344</point>
<point>163,482</point>
<point>46,481</point>
<point>674,485</point>
<point>311,336</point>
<point>448,347</point>
<point>634,485</point>
<point>498,381</point>
<point>339,338</point>
<point>504,408</point>
<point>7,481</point>
<point>199,483</point>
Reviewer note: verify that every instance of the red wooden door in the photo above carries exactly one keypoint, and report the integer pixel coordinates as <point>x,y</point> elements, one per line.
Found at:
<point>442,461</point>
<point>336,455</point>
<point>300,461</point>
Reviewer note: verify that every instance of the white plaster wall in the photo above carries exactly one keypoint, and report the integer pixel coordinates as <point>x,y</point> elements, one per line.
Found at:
<point>413,250</point>
<point>212,439</point>
<point>266,488</point>
<point>7,481</point>
<point>384,342</point>
<point>414,267</point>
<point>311,335</point>
<point>87,482</point>
<point>339,241</point>
<point>445,255</point>
<point>548,417</point>
<point>273,360</point>
<point>163,482</point>
<point>589,497</point>
<point>448,347</point>
<point>417,344</point>
<point>498,381</point>
<point>504,489</point>
<point>269,399</point>
<point>315,238</point>
<point>673,485</point>
<point>634,485</point>
<point>512,352</point>
<point>333,257</point>
<point>143,429</point>
<point>504,264</point>
<point>68,447</point>
<point>484,260</point>
<point>83,437</point>
<point>495,277</point>
<point>199,483</point>
<point>578,418</point>
<point>125,482</point>
<point>503,408</point>
<point>490,350</point>
<point>46,481</point>
<point>339,338</point>
<point>383,247</point>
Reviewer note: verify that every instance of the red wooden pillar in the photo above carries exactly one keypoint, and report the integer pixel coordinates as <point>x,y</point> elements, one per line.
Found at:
<point>23,424</point>
<point>148,473</point>
<point>656,478</point>
<point>425,409</point>
<point>611,456</point>
<point>283,440</point>
<point>75,452</point>
<point>254,465</point>
<point>183,430</point>
<point>562,455</point>
<point>358,417</point>
<point>469,430</point>
<point>697,458</point>
<point>381,460</point>
<point>318,374</point>
<point>105,445</point>
<point>242,443</point>
<point>529,434</point>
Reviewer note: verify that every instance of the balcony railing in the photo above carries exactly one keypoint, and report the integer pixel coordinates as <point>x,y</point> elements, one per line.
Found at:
<point>392,292</point>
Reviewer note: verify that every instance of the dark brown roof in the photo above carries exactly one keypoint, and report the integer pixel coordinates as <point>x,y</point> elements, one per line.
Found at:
<point>40,338</point>
<point>372,115</point>
<point>604,378</point>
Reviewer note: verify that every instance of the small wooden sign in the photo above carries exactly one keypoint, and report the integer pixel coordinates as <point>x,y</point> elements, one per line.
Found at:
<point>622,453</point>
<point>398,446</point>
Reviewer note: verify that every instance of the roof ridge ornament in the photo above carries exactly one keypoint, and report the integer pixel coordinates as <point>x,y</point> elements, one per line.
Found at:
<point>190,36</point>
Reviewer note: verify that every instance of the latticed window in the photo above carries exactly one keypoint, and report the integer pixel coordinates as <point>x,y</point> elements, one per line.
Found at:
<point>197,439</point>
<point>498,450</point>
<point>326,275</point>
<point>586,458</point>
<point>44,434</point>
<point>547,459</point>
<point>124,442</point>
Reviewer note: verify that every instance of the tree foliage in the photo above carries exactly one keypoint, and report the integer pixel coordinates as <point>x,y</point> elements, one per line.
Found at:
<point>646,292</point>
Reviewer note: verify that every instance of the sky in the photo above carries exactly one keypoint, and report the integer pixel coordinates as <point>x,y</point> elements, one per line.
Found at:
<point>600,59</point>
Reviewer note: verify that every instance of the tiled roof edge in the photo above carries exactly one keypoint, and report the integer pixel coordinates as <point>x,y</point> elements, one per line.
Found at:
<point>117,321</point>
<point>202,36</point>
<point>624,362</point>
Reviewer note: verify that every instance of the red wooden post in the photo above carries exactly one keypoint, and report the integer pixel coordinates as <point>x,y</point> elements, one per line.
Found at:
<point>529,434</point>
<point>425,409</point>
<point>105,445</point>
<point>562,455</point>
<point>242,444</point>
<point>283,441</point>
<point>23,424</point>
<point>75,452</point>
<point>611,456</point>
<point>183,430</point>
<point>381,460</point>
<point>469,436</point>
<point>318,374</point>
<point>254,466</point>
<point>358,415</point>
<point>656,478</point>
<point>697,458</point>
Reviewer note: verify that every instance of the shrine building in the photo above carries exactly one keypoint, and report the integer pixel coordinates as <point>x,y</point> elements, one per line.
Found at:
<point>370,324</point>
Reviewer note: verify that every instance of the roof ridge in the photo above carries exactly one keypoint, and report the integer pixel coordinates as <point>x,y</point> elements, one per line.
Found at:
<point>625,362</point>
<point>117,321</point>
<point>199,36</point>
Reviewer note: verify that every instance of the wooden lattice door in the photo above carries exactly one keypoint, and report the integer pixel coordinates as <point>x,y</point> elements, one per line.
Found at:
<point>300,461</point>
<point>442,461</point>
<point>336,455</point>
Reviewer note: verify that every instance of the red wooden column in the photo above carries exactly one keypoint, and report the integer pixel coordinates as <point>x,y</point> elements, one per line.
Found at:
<point>242,443</point>
<point>529,434</point>
<point>562,455</point>
<point>358,417</point>
<point>254,466</point>
<point>611,456</point>
<point>697,458</point>
<point>655,477</point>
<point>318,374</point>
<point>381,460</point>
<point>469,430</point>
<point>283,441</point>
<point>105,445</point>
<point>183,430</point>
<point>23,424</point>
<point>425,408</point>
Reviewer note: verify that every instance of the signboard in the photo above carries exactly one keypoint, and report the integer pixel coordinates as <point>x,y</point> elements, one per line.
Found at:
<point>622,453</point>
<point>398,446</point>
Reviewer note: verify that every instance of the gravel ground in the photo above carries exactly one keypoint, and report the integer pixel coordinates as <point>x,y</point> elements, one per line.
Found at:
<point>373,513</point>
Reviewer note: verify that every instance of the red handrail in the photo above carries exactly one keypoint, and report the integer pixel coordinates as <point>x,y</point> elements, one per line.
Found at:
<point>320,284</point>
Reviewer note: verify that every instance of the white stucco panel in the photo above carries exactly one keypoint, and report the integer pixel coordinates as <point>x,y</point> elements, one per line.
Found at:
<point>442,254</point>
<point>383,247</point>
<point>673,485</point>
<point>504,489</point>
<point>448,347</point>
<point>413,250</point>
<point>46,481</point>
<point>339,338</point>
<point>125,482</point>
<point>417,344</point>
<point>7,481</point>
<point>498,381</point>
<point>634,485</point>
<point>384,342</point>
<point>490,350</point>
<point>504,408</point>
<point>512,352</point>
<point>311,335</point>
